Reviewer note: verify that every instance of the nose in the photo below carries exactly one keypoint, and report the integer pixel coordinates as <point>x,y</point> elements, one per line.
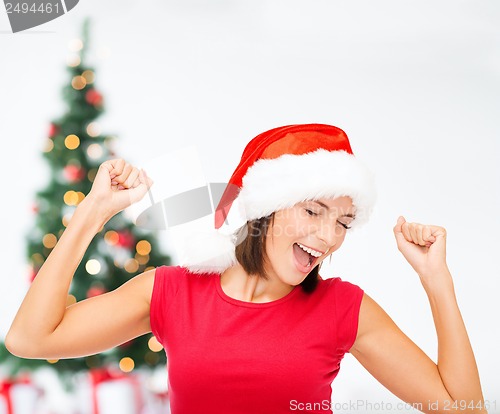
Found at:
<point>327,233</point>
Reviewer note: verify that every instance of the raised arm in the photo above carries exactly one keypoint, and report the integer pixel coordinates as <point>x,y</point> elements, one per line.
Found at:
<point>44,327</point>
<point>451,385</point>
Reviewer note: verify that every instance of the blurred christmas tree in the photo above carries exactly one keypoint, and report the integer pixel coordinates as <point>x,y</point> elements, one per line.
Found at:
<point>74,150</point>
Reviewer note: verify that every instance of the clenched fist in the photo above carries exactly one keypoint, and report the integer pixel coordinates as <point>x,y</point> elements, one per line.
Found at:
<point>118,185</point>
<point>424,247</point>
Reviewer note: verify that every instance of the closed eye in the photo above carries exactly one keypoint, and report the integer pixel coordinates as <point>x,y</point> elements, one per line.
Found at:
<point>310,212</point>
<point>345,226</point>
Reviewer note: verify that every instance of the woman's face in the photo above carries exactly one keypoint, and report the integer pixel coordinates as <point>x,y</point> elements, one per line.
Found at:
<point>303,235</point>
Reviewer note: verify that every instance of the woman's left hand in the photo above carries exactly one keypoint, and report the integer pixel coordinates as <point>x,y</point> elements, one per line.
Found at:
<point>423,246</point>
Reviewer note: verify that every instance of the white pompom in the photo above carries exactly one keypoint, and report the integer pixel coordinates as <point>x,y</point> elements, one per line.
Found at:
<point>207,251</point>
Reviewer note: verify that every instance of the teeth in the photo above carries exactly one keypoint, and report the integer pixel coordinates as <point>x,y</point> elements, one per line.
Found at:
<point>312,252</point>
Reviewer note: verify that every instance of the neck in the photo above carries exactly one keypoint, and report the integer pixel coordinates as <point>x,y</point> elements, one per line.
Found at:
<point>238,284</point>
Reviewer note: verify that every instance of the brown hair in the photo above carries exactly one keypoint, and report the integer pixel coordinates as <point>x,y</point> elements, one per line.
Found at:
<point>251,252</point>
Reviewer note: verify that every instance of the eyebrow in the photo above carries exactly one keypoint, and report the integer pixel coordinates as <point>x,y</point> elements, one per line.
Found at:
<point>328,208</point>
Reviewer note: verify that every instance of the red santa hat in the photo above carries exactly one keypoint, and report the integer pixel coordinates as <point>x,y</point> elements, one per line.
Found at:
<point>278,169</point>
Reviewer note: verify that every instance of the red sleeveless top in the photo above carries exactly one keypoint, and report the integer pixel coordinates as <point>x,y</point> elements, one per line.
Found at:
<point>230,356</point>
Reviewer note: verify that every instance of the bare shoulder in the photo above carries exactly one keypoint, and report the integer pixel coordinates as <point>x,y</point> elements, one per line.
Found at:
<point>140,286</point>
<point>372,320</point>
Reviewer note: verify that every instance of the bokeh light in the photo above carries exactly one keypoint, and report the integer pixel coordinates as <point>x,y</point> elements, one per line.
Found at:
<point>143,247</point>
<point>94,151</point>
<point>49,240</point>
<point>142,260</point>
<point>127,364</point>
<point>78,82</point>
<point>131,265</point>
<point>93,266</point>
<point>89,76</point>
<point>70,300</point>
<point>71,198</point>
<point>154,345</point>
<point>91,174</point>
<point>49,145</point>
<point>73,60</point>
<point>111,237</point>
<point>75,45</point>
<point>72,142</point>
<point>93,129</point>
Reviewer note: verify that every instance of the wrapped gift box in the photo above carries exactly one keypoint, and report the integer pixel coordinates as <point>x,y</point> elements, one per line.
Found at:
<point>18,396</point>
<point>105,391</point>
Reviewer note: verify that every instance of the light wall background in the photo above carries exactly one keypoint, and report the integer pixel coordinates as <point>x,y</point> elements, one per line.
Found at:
<point>414,84</point>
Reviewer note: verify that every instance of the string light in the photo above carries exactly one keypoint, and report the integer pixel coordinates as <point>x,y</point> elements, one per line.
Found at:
<point>142,259</point>
<point>72,142</point>
<point>143,247</point>
<point>93,266</point>
<point>78,82</point>
<point>131,265</point>
<point>91,174</point>
<point>70,300</point>
<point>95,290</point>
<point>75,45</point>
<point>49,240</point>
<point>127,364</point>
<point>66,219</point>
<point>94,151</point>
<point>111,237</point>
<point>37,258</point>
<point>154,345</point>
<point>73,60</point>
<point>89,76</point>
<point>149,268</point>
<point>80,196</point>
<point>93,129</point>
<point>71,198</point>
<point>67,214</point>
<point>49,145</point>
<point>52,361</point>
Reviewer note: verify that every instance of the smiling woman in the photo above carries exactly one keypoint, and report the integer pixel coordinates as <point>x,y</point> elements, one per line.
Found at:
<point>304,235</point>
<point>255,253</point>
<point>247,322</point>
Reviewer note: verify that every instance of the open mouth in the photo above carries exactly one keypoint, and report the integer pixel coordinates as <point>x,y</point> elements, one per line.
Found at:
<point>305,256</point>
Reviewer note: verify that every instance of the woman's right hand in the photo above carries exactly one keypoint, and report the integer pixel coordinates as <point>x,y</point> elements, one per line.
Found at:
<point>118,185</point>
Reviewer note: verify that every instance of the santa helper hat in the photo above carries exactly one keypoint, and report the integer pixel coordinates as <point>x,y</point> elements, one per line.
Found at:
<point>278,169</point>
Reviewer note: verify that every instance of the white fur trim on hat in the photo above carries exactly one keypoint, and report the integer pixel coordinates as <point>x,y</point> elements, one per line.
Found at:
<point>274,184</point>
